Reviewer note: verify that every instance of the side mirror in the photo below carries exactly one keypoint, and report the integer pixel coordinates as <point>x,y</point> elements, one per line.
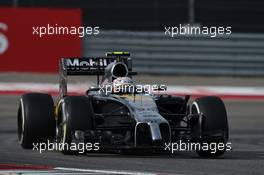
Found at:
<point>93,88</point>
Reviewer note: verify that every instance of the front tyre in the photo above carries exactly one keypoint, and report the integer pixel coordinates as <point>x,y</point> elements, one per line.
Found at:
<point>76,114</point>
<point>212,126</point>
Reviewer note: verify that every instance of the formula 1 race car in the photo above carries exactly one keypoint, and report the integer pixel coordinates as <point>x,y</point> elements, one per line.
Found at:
<point>118,114</point>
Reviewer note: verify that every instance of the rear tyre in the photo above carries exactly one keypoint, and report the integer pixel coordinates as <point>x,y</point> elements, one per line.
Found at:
<point>35,119</point>
<point>76,113</point>
<point>212,127</point>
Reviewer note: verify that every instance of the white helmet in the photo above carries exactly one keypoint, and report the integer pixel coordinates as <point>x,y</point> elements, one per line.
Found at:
<point>123,85</point>
<point>123,80</point>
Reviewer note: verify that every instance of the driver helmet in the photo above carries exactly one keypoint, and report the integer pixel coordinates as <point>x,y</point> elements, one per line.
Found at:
<point>123,85</point>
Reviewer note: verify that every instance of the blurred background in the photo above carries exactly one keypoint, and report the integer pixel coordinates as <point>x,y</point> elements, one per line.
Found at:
<point>138,27</point>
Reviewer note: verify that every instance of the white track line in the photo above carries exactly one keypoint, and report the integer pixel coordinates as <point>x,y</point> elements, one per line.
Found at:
<point>222,90</point>
<point>44,172</point>
<point>72,171</point>
<point>104,171</point>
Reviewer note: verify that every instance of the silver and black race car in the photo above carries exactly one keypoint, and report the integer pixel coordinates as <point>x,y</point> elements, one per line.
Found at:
<point>117,114</point>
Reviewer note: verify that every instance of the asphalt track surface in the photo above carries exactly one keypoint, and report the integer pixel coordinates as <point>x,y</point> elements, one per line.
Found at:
<point>246,123</point>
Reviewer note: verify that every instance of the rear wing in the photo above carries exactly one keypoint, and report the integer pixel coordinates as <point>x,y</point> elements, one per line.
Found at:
<point>90,66</point>
<point>84,66</point>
